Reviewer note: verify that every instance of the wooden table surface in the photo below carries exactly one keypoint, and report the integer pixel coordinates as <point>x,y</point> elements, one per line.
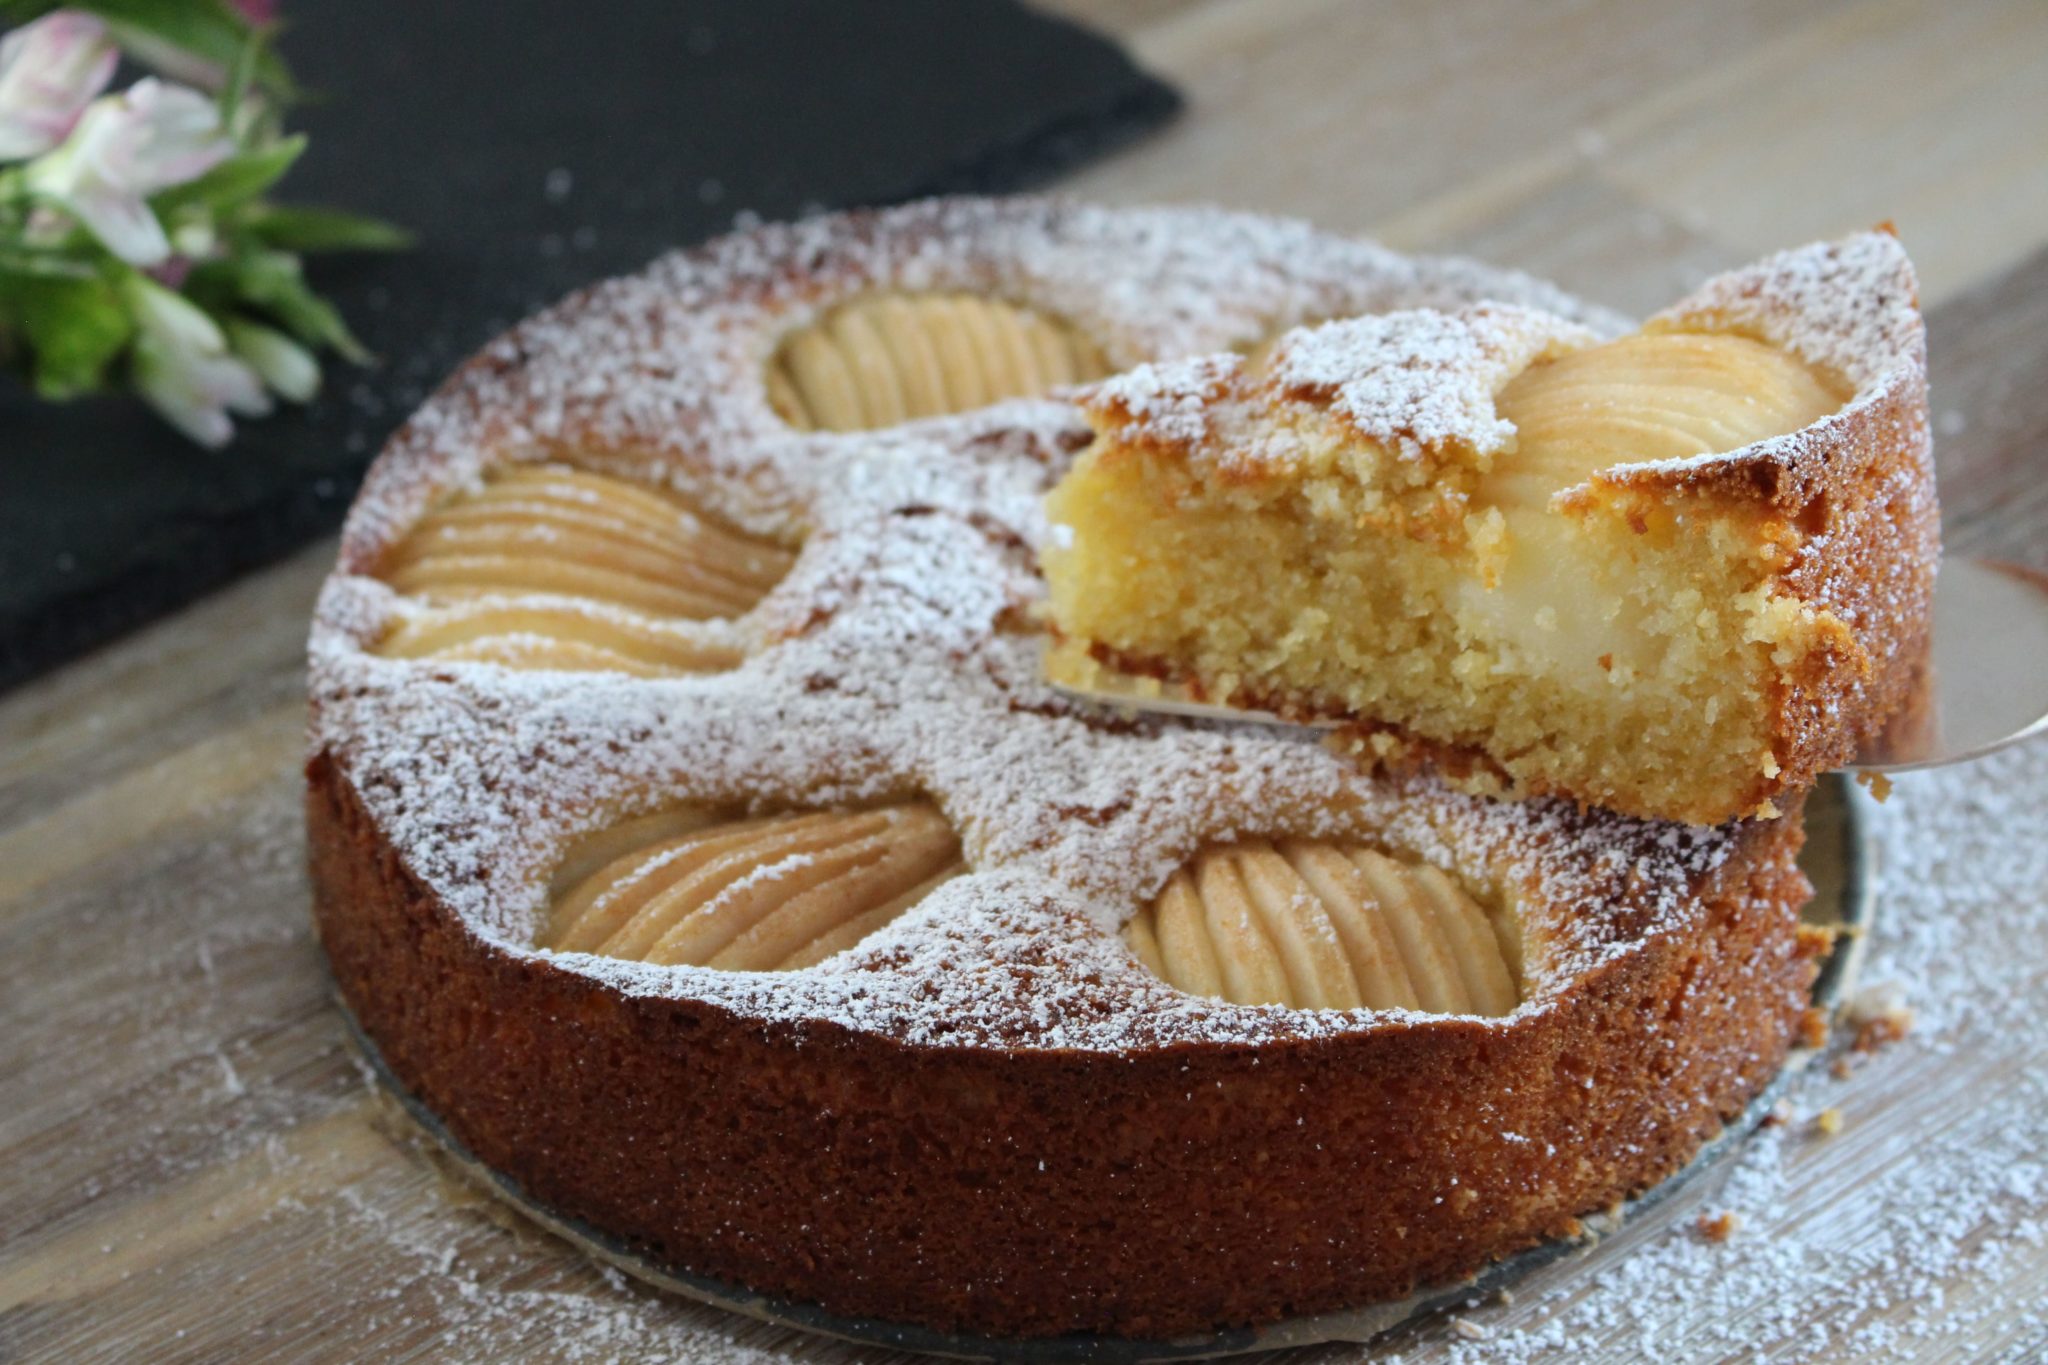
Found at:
<point>192,1167</point>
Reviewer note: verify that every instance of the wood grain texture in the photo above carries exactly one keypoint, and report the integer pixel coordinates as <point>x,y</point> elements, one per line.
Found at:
<point>192,1168</point>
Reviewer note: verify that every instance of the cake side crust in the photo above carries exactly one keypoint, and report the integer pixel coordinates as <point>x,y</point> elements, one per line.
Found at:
<point>1032,1193</point>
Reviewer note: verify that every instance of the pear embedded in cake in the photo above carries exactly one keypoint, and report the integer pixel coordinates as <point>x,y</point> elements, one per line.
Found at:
<point>1652,573</point>
<point>894,357</point>
<point>548,566</point>
<point>1322,924</point>
<point>769,893</point>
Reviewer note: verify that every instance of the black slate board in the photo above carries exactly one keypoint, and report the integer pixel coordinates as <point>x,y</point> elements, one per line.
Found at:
<point>533,147</point>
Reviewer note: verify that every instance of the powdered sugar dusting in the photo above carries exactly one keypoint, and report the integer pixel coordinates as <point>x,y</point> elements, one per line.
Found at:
<point>1174,404</point>
<point>892,659</point>
<point>1849,308</point>
<point>888,660</point>
<point>1416,380</point>
<point>1412,380</point>
<point>1421,379</point>
<point>662,369</point>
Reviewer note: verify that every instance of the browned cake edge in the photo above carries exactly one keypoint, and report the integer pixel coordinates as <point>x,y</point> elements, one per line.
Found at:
<point>1857,490</point>
<point>1022,1192</point>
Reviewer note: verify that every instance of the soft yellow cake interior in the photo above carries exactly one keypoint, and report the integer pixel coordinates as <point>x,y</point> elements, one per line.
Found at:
<point>1619,650</point>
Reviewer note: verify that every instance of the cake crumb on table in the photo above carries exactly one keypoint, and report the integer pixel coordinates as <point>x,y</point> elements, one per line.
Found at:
<point>1718,1227</point>
<point>1828,1121</point>
<point>1813,1029</point>
<point>1879,1015</point>
<point>1876,1033</point>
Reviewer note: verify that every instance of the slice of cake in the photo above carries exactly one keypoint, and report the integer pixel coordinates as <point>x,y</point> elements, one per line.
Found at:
<point>1677,573</point>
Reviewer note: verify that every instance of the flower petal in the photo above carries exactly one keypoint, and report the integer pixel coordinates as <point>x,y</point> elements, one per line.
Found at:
<point>167,381</point>
<point>49,71</point>
<point>286,366</point>
<point>124,224</point>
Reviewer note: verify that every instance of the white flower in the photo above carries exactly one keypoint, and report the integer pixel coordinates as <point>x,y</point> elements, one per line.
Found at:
<point>195,393</point>
<point>183,368</point>
<point>286,366</point>
<point>49,72</point>
<point>126,148</point>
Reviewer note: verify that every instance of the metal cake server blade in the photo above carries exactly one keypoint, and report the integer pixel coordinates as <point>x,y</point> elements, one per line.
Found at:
<point>1986,684</point>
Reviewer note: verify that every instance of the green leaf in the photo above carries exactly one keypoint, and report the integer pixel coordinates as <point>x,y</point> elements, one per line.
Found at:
<point>56,264</point>
<point>240,75</point>
<point>236,180</point>
<point>74,328</point>
<point>271,281</point>
<point>299,228</point>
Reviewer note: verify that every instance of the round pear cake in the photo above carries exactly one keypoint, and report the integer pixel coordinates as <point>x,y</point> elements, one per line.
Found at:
<point>694,833</point>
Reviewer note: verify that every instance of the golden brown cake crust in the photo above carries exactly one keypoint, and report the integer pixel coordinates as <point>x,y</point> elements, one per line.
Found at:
<point>1150,1192</point>
<point>988,1115</point>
